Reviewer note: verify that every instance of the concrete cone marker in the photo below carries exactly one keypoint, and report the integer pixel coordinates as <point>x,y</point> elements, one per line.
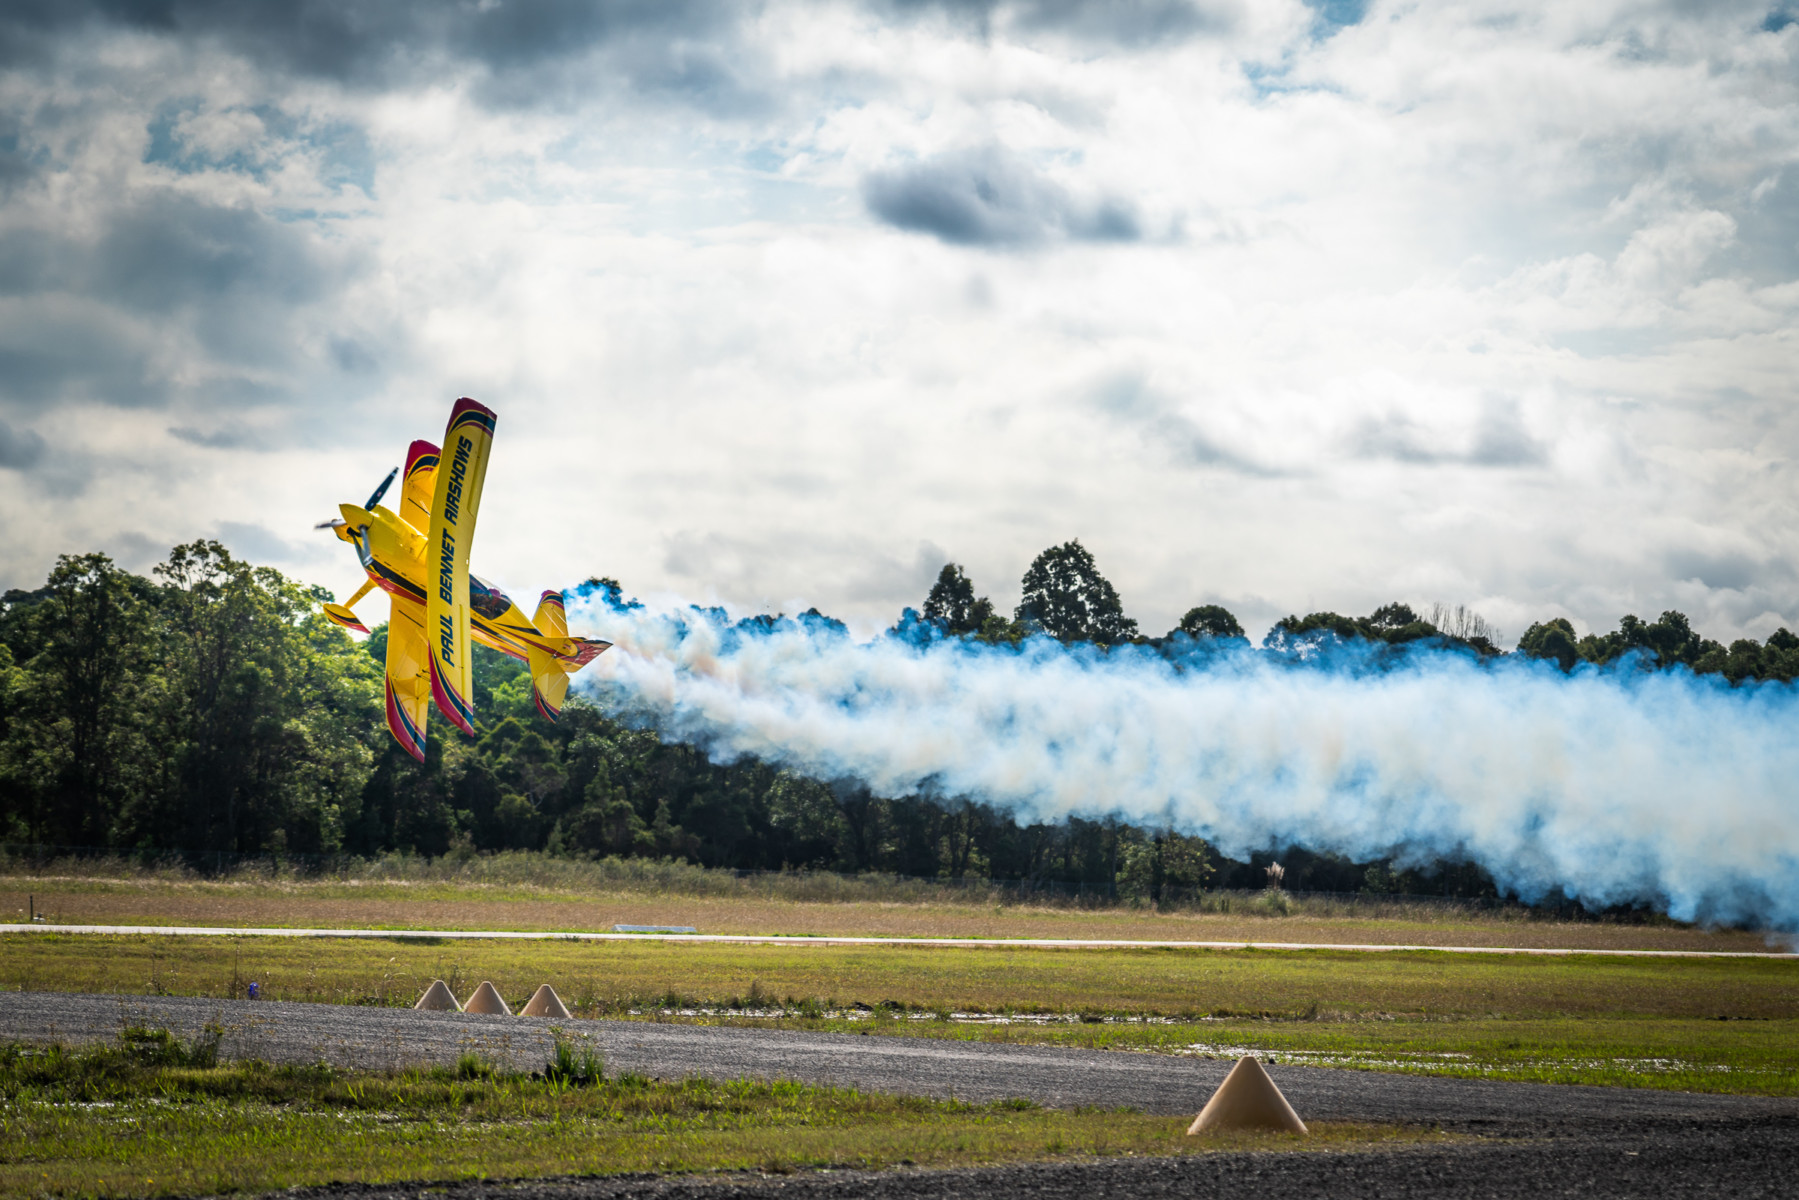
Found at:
<point>544,1002</point>
<point>1247,1099</point>
<point>487,999</point>
<point>438,998</point>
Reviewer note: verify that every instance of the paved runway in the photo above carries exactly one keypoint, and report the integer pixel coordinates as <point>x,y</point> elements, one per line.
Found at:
<point>752,939</point>
<point>1053,1076</point>
<point>1532,1140</point>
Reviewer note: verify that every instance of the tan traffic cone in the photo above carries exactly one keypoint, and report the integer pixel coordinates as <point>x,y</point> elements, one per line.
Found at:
<point>1247,1099</point>
<point>544,1002</point>
<point>487,999</point>
<point>438,998</point>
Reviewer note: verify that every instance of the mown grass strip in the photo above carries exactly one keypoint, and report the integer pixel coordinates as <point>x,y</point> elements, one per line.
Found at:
<point>608,978</point>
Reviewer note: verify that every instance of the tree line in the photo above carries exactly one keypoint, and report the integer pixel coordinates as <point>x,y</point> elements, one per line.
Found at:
<point>210,707</point>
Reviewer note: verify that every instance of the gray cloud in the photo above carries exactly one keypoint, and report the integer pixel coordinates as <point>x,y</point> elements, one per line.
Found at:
<point>19,448</point>
<point>225,436</point>
<point>1499,440</point>
<point>791,567</point>
<point>668,45</point>
<point>1127,398</point>
<point>1134,23</point>
<point>991,197</point>
<point>164,268</point>
<point>135,550</point>
<point>259,544</point>
<point>1726,570</point>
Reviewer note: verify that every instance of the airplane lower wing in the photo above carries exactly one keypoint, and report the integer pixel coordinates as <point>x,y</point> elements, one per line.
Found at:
<point>455,501</point>
<point>408,677</point>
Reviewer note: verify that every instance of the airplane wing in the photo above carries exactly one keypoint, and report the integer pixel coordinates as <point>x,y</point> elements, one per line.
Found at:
<point>408,677</point>
<point>419,485</point>
<point>455,499</point>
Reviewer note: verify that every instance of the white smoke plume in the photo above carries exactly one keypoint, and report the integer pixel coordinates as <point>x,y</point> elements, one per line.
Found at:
<point>1614,786</point>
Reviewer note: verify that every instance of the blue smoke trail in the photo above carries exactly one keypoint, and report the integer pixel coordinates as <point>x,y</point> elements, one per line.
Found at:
<point>1615,786</point>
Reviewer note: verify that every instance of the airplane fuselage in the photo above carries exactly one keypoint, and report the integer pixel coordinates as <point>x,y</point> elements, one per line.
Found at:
<point>392,552</point>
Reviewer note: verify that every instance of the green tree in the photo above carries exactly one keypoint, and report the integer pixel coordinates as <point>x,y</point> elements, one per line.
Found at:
<point>1552,639</point>
<point>269,709</point>
<point>1312,628</point>
<point>1394,624</point>
<point>1209,621</point>
<point>13,827</point>
<point>1780,656</point>
<point>1150,865</point>
<point>80,733</point>
<point>1067,598</point>
<point>953,603</point>
<point>1668,641</point>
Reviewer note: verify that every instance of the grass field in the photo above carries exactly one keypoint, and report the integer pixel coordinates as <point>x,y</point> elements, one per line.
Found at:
<point>152,1117</point>
<point>542,898</point>
<point>1727,1025</point>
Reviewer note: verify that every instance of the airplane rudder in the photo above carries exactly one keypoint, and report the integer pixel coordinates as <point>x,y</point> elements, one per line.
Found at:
<point>552,615</point>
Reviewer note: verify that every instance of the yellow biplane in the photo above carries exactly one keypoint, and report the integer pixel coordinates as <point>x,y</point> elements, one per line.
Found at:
<point>419,557</point>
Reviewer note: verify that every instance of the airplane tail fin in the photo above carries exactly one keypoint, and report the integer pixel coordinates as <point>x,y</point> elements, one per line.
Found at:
<point>549,682</point>
<point>551,667</point>
<point>551,618</point>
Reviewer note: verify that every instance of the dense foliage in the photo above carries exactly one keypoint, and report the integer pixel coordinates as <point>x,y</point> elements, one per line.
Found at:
<point>212,708</point>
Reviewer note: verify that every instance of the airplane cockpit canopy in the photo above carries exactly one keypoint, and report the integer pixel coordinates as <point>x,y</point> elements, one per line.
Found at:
<point>486,599</point>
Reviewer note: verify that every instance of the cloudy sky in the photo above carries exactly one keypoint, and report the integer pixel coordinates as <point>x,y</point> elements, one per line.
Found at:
<point>1281,305</point>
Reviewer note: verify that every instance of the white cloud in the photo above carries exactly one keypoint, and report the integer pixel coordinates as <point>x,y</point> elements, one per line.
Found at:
<point>1460,302</point>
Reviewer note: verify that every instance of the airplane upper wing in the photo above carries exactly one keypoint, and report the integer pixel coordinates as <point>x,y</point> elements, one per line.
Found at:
<point>419,485</point>
<point>455,500</point>
<point>408,676</point>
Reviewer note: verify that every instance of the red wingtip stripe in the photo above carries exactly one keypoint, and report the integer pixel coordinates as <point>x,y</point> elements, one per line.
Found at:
<point>454,708</point>
<point>466,405</point>
<point>352,624</point>
<point>420,456</point>
<point>552,714</point>
<point>470,412</point>
<point>411,739</point>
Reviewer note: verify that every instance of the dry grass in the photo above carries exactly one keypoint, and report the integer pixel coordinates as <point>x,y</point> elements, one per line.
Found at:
<point>451,905</point>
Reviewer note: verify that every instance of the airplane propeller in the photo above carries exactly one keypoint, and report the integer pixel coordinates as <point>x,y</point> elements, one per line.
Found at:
<point>339,522</point>
<point>382,490</point>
